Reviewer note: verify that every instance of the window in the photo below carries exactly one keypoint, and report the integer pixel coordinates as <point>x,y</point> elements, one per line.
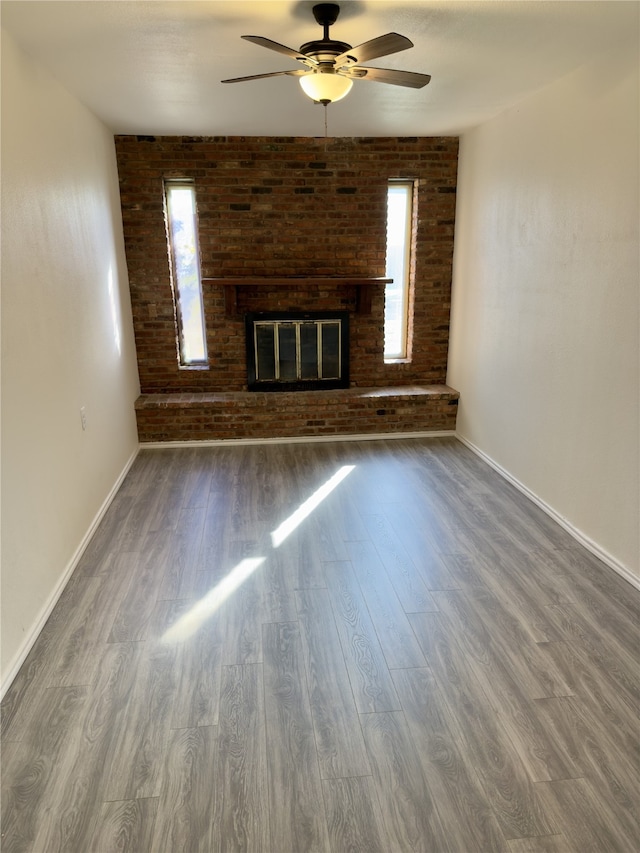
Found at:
<point>396,311</point>
<point>184,256</point>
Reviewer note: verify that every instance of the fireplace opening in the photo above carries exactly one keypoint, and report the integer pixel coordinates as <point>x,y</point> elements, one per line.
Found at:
<point>297,351</point>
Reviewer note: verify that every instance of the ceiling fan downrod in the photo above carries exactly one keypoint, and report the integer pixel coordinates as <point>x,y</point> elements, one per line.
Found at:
<point>326,14</point>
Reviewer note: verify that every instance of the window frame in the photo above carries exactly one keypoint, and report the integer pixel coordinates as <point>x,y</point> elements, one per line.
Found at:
<point>182,343</point>
<point>406,285</point>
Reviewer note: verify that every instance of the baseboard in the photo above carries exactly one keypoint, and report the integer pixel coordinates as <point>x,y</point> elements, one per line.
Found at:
<point>577,534</point>
<point>48,606</point>
<point>298,439</point>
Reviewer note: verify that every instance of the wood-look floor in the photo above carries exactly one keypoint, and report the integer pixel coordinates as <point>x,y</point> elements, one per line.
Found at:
<point>426,662</point>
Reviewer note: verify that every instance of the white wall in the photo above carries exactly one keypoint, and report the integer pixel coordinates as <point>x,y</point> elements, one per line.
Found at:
<point>544,338</point>
<point>67,340</point>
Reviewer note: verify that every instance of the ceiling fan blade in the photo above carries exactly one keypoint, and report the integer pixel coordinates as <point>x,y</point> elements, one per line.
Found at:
<point>387,75</point>
<point>260,76</point>
<point>381,46</point>
<point>280,48</point>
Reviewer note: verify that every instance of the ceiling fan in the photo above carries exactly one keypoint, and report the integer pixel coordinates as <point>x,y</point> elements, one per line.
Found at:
<point>332,66</point>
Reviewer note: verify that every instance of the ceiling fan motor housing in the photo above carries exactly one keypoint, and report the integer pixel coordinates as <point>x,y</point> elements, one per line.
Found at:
<point>324,51</point>
<point>326,14</point>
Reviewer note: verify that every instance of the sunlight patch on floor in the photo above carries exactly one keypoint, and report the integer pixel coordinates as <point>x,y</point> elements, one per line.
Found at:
<point>189,623</point>
<point>304,510</point>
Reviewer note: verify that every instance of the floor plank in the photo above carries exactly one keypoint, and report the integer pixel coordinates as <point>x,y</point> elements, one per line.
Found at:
<point>370,677</point>
<point>242,774</point>
<point>292,762</point>
<point>425,662</point>
<point>459,797</point>
<point>198,666</point>
<point>406,803</point>
<point>183,558</point>
<point>575,804</point>
<point>188,805</point>
<point>341,749</point>
<point>399,645</point>
<point>407,582</point>
<point>510,790</point>
<point>619,664</point>
<point>489,633</point>
<point>76,791</point>
<point>508,681</point>
<point>25,803</point>
<point>22,700</point>
<point>541,844</point>
<point>135,765</point>
<point>599,692</point>
<point>125,826</point>
<point>419,547</point>
<point>81,638</point>
<point>595,753</point>
<point>353,816</point>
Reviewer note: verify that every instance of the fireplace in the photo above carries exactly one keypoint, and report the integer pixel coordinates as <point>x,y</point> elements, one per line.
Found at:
<point>304,351</point>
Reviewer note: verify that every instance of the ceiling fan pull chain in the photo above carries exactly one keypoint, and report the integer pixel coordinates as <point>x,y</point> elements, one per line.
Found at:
<point>325,120</point>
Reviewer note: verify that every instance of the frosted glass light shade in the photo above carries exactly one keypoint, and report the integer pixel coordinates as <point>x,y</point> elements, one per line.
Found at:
<point>325,87</point>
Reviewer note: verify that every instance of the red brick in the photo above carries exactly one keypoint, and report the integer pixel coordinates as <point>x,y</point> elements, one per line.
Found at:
<point>328,232</point>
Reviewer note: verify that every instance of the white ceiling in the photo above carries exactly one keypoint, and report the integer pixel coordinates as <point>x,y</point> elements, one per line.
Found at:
<point>154,67</point>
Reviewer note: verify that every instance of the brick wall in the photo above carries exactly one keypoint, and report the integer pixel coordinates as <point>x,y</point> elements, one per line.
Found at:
<point>287,206</point>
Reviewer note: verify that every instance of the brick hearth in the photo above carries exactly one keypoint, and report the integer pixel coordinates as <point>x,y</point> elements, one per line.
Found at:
<point>352,411</point>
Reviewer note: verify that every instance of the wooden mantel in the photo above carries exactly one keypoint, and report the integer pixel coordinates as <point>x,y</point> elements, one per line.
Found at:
<point>231,283</point>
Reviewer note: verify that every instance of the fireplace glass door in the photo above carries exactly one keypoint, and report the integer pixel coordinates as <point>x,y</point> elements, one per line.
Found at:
<point>297,351</point>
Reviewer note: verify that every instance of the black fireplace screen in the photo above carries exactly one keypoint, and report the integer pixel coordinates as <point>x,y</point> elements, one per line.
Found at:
<point>296,352</point>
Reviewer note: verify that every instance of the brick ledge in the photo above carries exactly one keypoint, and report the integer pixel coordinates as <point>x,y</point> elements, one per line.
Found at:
<point>215,398</point>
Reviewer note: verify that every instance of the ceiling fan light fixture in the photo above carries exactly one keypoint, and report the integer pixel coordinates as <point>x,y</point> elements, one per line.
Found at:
<point>325,87</point>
